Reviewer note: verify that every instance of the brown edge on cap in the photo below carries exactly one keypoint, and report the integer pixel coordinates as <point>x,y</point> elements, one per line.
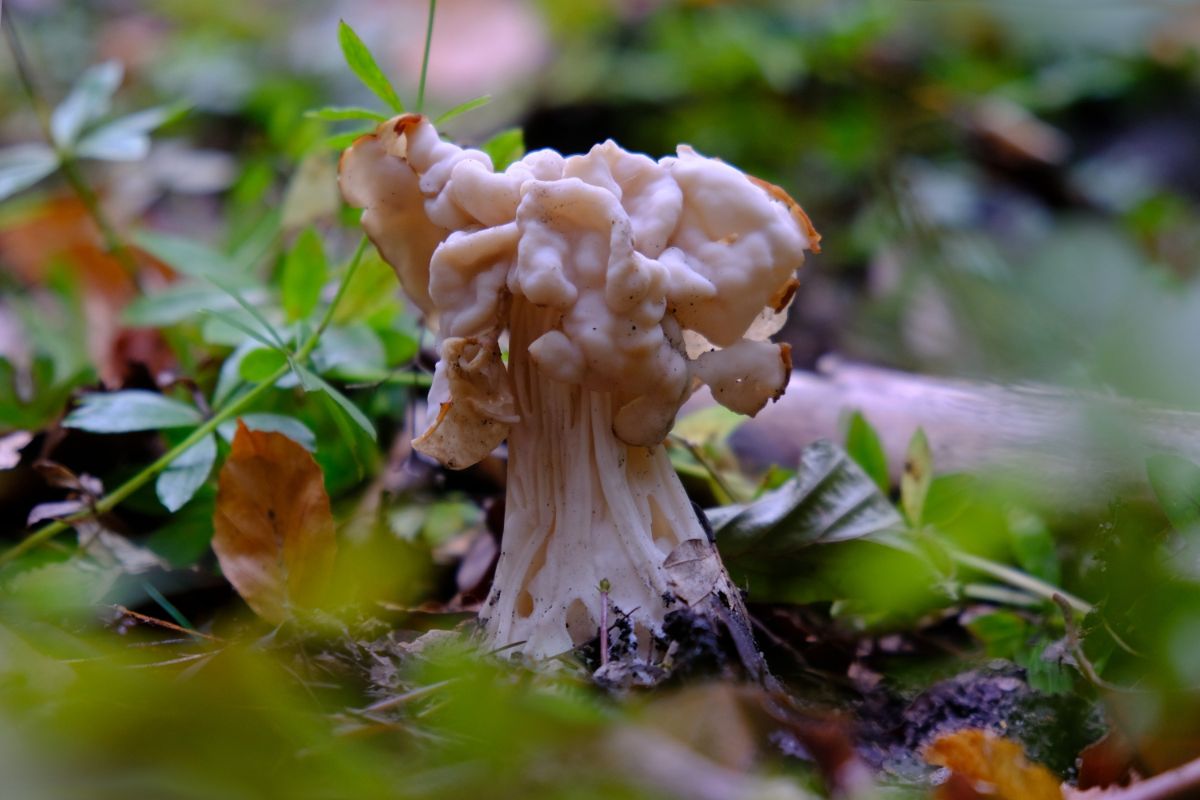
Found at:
<point>785,294</point>
<point>814,238</point>
<point>354,144</point>
<point>785,357</point>
<point>402,123</point>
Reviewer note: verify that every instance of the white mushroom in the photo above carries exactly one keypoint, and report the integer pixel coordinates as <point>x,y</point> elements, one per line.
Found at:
<point>614,276</point>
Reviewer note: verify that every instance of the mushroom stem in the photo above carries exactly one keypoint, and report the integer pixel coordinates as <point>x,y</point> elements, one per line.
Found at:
<point>582,507</point>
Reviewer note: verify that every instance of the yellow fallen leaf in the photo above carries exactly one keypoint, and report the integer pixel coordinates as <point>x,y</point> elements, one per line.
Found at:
<point>994,766</point>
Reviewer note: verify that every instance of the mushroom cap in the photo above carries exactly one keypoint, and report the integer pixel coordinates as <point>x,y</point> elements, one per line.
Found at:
<point>648,267</point>
<point>393,213</point>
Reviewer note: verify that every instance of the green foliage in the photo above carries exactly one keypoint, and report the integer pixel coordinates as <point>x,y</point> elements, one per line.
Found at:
<point>32,400</point>
<point>184,476</point>
<point>344,113</point>
<point>830,500</point>
<point>462,108</point>
<point>194,259</point>
<point>863,445</point>
<point>258,365</point>
<point>1008,635</point>
<point>89,100</point>
<point>916,478</point>
<point>130,410</point>
<point>981,259</point>
<point>75,133</point>
<point>353,413</point>
<point>126,138</point>
<point>363,64</point>
<point>505,147</point>
<point>1176,483</point>
<point>23,165</point>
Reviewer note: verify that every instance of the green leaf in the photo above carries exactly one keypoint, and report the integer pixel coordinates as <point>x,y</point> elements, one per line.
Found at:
<point>363,64</point>
<point>304,273</point>
<point>185,535</point>
<point>370,292</point>
<point>258,365</point>
<point>863,445</point>
<point>180,302</point>
<point>290,427</point>
<point>341,141</point>
<point>126,138</point>
<point>400,347</point>
<point>32,397</point>
<point>192,258</point>
<point>254,313</point>
<point>23,165</point>
<point>230,320</point>
<point>230,376</point>
<point>918,474</point>
<point>88,101</point>
<point>130,410</point>
<point>186,474</point>
<point>1002,633</point>
<point>342,113</point>
<point>352,352</point>
<point>309,378</point>
<point>830,499</point>
<point>710,426</point>
<point>463,108</point>
<point>505,147</point>
<point>1176,483</point>
<point>1033,544</point>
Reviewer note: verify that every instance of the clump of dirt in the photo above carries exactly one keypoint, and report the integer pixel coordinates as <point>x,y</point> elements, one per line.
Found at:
<point>893,728</point>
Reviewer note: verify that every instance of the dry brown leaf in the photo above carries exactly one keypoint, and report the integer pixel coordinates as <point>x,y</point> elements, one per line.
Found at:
<point>1106,762</point>
<point>273,529</point>
<point>719,720</point>
<point>61,231</point>
<point>991,766</point>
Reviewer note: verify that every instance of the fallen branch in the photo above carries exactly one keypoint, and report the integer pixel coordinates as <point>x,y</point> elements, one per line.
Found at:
<point>1069,448</point>
<point>1183,781</point>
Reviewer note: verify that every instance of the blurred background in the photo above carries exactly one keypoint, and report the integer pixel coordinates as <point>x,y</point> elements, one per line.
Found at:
<point>1008,192</point>
<point>1006,189</point>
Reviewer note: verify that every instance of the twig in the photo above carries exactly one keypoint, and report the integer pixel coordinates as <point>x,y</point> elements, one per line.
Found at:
<point>389,703</point>
<point>1181,782</point>
<point>1075,644</point>
<point>172,661</point>
<point>162,623</point>
<point>604,588</point>
<point>67,162</point>
<point>508,646</point>
<point>235,407</point>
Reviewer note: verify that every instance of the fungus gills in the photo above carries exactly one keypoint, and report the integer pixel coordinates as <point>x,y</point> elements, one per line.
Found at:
<point>623,283</point>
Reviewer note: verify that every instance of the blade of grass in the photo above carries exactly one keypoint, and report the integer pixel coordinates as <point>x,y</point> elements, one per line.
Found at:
<point>425,55</point>
<point>463,108</point>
